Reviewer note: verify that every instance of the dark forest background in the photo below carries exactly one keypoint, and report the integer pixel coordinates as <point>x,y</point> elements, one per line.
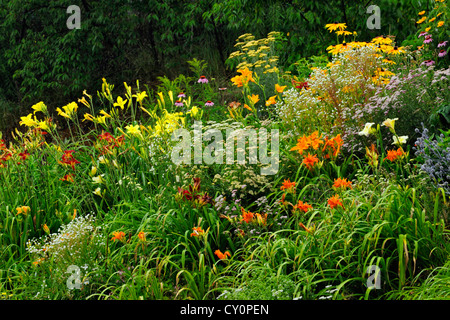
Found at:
<point>125,40</point>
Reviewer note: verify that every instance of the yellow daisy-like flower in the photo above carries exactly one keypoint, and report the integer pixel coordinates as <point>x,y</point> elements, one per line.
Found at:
<point>382,40</point>
<point>343,32</point>
<point>397,50</point>
<point>421,13</point>
<point>440,23</point>
<point>388,61</point>
<point>421,20</point>
<point>334,50</point>
<point>335,26</point>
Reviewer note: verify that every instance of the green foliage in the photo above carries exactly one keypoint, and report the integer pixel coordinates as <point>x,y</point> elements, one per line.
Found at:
<point>123,40</point>
<point>93,184</point>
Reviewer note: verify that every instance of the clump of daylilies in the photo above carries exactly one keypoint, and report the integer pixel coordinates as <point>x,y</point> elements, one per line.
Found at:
<point>193,195</point>
<point>316,146</point>
<point>393,155</point>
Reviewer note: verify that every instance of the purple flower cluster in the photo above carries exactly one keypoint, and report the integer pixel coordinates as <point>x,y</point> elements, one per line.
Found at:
<point>436,158</point>
<point>411,96</point>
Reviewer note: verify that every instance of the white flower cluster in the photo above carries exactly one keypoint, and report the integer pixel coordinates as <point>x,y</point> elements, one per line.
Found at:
<point>71,242</point>
<point>334,93</point>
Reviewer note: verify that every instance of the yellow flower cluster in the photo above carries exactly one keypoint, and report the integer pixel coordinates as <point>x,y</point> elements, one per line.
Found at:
<point>256,54</point>
<point>434,19</point>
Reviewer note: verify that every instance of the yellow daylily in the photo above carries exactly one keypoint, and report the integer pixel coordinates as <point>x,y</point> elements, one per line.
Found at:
<point>44,126</point>
<point>104,113</point>
<point>100,119</point>
<point>367,129</point>
<point>390,123</point>
<point>134,130</point>
<point>39,107</point>
<point>69,110</point>
<point>98,192</point>
<point>23,210</point>
<point>279,88</point>
<point>27,121</point>
<point>271,101</point>
<point>140,96</point>
<point>254,98</point>
<point>399,140</point>
<point>88,116</point>
<point>120,102</point>
<point>84,101</point>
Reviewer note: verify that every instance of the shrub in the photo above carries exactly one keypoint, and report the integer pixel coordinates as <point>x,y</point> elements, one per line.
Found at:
<point>435,157</point>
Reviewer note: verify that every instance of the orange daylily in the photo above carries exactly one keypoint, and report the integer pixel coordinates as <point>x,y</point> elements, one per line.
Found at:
<point>247,216</point>
<point>23,210</point>
<point>272,100</point>
<point>254,98</point>
<point>302,206</point>
<point>279,88</point>
<point>310,161</point>
<point>197,232</point>
<point>68,178</point>
<point>395,154</point>
<point>335,201</point>
<point>304,227</point>
<point>221,255</point>
<point>46,229</point>
<point>261,219</point>
<point>303,143</point>
<point>342,183</point>
<point>247,107</point>
<point>334,144</point>
<point>141,236</point>
<point>245,77</point>
<point>118,235</point>
<point>288,185</point>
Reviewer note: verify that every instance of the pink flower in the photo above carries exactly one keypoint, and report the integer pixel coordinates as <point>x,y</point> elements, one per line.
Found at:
<point>202,80</point>
<point>428,39</point>
<point>442,53</point>
<point>442,44</point>
<point>209,103</point>
<point>178,103</point>
<point>423,34</point>
<point>428,63</point>
<point>181,95</point>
